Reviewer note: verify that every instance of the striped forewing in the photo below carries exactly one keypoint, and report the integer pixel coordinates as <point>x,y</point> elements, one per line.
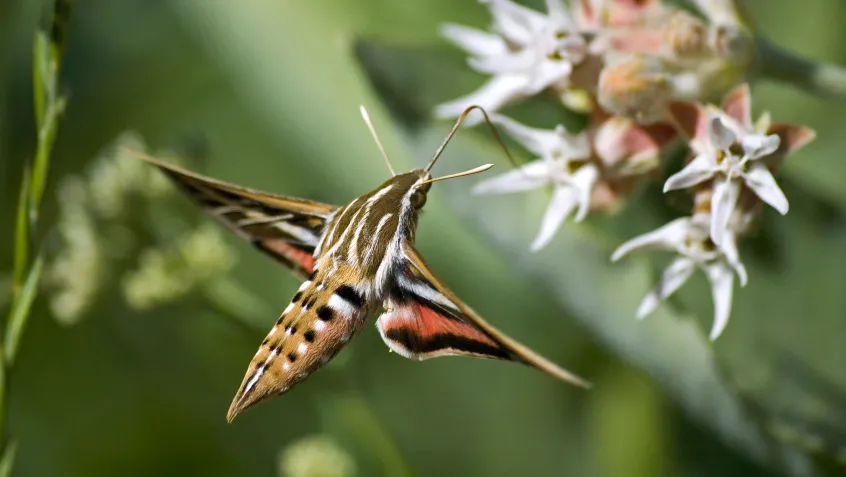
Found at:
<point>286,228</point>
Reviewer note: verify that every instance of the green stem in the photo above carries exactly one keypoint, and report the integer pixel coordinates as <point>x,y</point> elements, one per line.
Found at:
<point>49,106</point>
<point>360,420</point>
<point>820,78</point>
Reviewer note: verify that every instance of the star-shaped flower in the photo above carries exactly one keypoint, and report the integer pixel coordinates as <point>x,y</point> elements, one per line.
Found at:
<point>734,153</point>
<point>562,164</point>
<point>688,237</point>
<point>529,52</point>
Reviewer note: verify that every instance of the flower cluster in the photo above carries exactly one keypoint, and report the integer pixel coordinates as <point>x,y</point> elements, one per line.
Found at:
<point>103,220</point>
<point>643,72</point>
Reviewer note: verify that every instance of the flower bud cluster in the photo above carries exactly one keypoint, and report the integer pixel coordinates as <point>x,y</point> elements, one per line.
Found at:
<point>644,73</point>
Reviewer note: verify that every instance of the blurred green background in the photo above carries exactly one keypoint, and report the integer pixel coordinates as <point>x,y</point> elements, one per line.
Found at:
<point>274,87</point>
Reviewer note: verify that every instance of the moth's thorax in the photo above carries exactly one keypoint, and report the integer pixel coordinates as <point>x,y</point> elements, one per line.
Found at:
<point>365,232</point>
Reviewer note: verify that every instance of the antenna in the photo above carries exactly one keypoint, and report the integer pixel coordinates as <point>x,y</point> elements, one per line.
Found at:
<point>460,174</point>
<point>369,124</point>
<point>458,122</point>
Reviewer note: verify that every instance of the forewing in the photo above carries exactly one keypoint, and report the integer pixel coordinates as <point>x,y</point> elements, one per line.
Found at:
<point>424,319</point>
<point>286,228</point>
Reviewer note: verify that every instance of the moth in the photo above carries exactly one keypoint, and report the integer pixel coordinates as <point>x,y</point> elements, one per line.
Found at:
<point>356,260</point>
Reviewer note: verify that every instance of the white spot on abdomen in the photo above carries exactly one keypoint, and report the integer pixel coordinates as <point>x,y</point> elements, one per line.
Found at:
<point>341,306</point>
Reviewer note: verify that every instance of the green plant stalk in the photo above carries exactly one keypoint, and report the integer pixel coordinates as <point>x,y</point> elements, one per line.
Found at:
<point>45,89</point>
<point>20,311</point>
<point>359,419</point>
<point>21,238</point>
<point>823,79</point>
<point>49,107</point>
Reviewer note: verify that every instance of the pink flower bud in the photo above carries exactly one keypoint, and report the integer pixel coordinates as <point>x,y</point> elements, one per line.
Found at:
<point>637,88</point>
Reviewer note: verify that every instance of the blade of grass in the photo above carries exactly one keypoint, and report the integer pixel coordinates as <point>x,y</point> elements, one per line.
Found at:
<point>19,314</point>
<point>21,237</point>
<point>48,46</point>
<point>46,138</point>
<point>40,62</point>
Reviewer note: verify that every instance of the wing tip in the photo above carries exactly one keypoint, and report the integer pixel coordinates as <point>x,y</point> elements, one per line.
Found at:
<point>554,370</point>
<point>578,381</point>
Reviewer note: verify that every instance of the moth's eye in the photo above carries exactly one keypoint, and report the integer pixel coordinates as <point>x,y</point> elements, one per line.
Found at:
<point>418,199</point>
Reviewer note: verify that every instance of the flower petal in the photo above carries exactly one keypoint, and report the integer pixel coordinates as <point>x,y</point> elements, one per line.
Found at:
<point>723,203</point>
<point>722,287</point>
<point>692,119</point>
<point>533,175</point>
<point>674,276</point>
<point>558,15</point>
<point>493,95</point>
<point>539,141</point>
<point>700,169</point>
<point>738,105</point>
<point>758,145</point>
<point>547,73</point>
<point>563,202</point>
<point>475,42</point>
<point>668,236</point>
<point>761,181</point>
<point>720,136</point>
<point>729,248</point>
<point>519,62</point>
<point>792,136</point>
<point>515,22</point>
<point>583,181</point>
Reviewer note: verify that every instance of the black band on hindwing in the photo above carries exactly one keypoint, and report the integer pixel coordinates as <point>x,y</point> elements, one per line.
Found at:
<point>419,345</point>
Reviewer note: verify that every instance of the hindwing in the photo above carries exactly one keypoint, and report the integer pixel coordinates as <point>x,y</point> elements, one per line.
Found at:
<point>424,319</point>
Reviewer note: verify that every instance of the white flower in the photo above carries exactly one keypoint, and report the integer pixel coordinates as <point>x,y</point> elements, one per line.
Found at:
<point>715,160</point>
<point>688,237</point>
<point>562,165</point>
<point>529,52</point>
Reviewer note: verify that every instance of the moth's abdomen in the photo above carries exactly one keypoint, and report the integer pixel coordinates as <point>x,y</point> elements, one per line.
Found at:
<point>321,318</point>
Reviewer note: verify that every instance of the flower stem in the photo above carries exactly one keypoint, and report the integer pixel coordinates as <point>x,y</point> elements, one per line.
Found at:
<point>49,105</point>
<point>823,79</point>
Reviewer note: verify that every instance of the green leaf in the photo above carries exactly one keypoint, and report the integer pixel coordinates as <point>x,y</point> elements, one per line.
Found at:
<point>46,137</point>
<point>49,44</point>
<point>19,314</point>
<point>21,236</point>
<point>41,74</point>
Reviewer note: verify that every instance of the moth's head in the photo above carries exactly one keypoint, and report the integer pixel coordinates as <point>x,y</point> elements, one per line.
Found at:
<point>415,185</point>
<point>420,187</point>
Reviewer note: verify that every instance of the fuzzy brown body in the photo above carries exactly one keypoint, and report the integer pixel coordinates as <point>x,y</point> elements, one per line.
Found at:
<point>356,260</point>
